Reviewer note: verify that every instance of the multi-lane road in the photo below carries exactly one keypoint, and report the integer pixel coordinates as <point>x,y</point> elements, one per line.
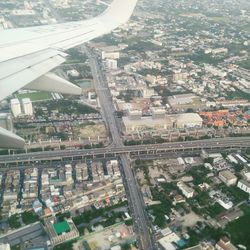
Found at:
<point>218,143</point>
<point>105,99</point>
<point>141,221</point>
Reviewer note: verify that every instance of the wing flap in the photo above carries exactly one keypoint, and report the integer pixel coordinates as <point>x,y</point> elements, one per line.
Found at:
<point>10,140</point>
<point>53,83</point>
<point>18,80</point>
<point>18,64</point>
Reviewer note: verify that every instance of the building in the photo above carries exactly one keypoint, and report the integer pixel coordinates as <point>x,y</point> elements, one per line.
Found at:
<point>27,106</point>
<point>187,191</point>
<point>228,177</point>
<point>220,51</point>
<point>135,114</point>
<point>188,120</point>
<point>147,92</point>
<point>37,206</point>
<point>182,99</point>
<point>60,232</point>
<point>111,64</point>
<point>202,246</point>
<point>225,244</point>
<point>159,122</point>
<point>4,246</point>
<point>244,186</point>
<point>23,12</point>
<point>68,174</point>
<point>110,55</point>
<point>73,73</point>
<point>6,121</point>
<point>214,71</point>
<point>169,241</point>
<point>15,107</point>
<point>116,248</point>
<point>180,76</point>
<point>146,124</point>
<point>226,203</point>
<point>158,113</point>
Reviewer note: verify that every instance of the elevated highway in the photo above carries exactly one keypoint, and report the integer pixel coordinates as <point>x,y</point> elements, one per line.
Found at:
<point>218,143</point>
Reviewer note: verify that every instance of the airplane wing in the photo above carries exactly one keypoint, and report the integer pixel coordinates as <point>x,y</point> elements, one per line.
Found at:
<point>28,54</point>
<point>10,140</point>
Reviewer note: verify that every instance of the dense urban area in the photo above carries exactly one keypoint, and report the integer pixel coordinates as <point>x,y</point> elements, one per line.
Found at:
<point>155,153</point>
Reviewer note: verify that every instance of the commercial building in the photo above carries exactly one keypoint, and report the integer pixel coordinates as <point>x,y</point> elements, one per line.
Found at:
<point>228,177</point>
<point>159,122</point>
<point>244,186</point>
<point>185,101</point>
<point>188,120</point>
<point>146,124</point>
<point>60,232</point>
<point>27,106</point>
<point>15,107</point>
<point>186,190</point>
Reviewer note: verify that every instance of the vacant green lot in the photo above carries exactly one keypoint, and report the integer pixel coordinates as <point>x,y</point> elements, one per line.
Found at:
<point>239,229</point>
<point>36,96</point>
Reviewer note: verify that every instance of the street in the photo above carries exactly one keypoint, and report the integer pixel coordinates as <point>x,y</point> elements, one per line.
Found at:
<point>141,221</point>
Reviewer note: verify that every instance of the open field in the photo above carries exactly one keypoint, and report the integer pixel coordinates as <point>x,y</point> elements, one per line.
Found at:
<point>36,96</point>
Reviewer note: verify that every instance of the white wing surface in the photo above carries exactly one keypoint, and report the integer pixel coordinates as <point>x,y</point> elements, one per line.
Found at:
<point>28,54</point>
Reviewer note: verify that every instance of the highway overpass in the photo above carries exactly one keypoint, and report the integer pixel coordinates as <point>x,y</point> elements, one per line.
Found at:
<point>218,143</point>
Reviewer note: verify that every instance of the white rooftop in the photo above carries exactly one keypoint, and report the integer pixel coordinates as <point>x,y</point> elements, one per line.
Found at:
<point>14,101</point>
<point>26,100</point>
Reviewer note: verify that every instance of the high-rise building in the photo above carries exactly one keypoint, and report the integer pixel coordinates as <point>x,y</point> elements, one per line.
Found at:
<point>6,121</point>
<point>27,106</point>
<point>15,107</point>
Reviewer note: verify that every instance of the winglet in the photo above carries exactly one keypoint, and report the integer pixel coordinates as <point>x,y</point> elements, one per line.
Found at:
<point>120,11</point>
